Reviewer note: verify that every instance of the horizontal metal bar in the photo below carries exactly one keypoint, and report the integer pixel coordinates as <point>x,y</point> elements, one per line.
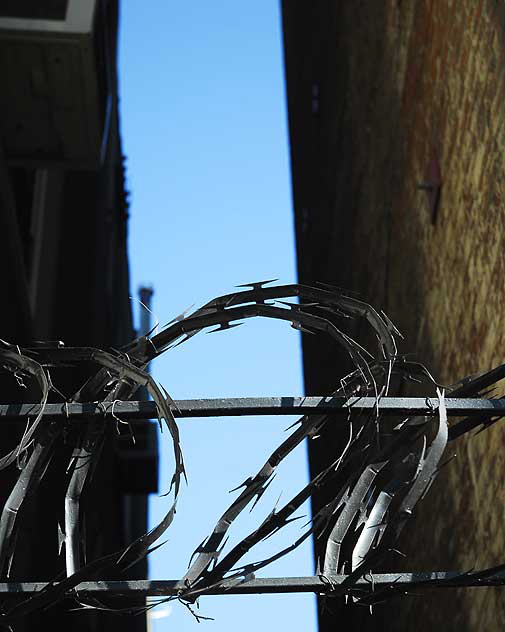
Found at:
<point>237,406</point>
<point>314,584</point>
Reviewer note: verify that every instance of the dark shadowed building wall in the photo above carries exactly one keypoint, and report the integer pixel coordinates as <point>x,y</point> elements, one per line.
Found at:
<point>63,218</point>
<point>383,97</point>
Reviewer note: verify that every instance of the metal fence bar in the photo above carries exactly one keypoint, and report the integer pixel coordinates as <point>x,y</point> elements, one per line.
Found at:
<point>314,584</point>
<point>238,406</point>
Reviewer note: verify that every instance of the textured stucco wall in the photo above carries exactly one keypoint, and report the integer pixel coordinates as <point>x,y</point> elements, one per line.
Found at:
<point>376,92</point>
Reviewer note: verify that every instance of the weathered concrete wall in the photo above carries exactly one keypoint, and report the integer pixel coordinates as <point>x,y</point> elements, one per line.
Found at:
<point>376,92</point>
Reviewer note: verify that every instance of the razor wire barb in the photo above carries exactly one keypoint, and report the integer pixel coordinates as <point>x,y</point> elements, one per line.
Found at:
<point>377,479</point>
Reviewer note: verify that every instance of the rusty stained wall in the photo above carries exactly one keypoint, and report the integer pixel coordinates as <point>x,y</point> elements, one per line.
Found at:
<point>449,296</point>
<point>398,84</point>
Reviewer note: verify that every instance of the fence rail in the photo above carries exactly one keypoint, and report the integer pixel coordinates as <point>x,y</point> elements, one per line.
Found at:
<point>474,409</point>
<point>311,584</point>
<point>241,406</point>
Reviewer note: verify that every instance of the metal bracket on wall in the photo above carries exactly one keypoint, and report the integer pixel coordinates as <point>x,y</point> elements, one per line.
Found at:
<point>432,185</point>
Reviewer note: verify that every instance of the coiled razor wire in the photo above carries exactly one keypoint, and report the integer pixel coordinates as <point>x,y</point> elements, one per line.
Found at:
<point>376,481</point>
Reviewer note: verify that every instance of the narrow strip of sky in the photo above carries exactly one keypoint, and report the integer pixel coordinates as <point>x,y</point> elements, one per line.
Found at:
<point>205,134</point>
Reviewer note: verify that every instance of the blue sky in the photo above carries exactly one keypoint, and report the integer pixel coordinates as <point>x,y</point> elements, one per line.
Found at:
<point>204,129</point>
